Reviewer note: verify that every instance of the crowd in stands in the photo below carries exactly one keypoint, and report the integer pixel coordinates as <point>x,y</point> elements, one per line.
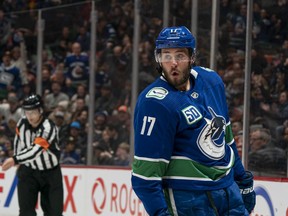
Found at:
<point>65,72</point>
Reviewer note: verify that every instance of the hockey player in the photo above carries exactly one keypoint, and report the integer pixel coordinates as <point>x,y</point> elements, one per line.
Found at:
<point>186,161</point>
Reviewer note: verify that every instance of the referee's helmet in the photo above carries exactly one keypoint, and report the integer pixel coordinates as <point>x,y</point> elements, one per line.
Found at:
<point>33,101</point>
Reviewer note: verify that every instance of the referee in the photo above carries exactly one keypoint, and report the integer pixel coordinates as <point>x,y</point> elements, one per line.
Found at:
<point>36,150</point>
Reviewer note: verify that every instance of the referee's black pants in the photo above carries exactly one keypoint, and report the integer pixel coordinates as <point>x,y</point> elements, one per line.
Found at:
<point>48,183</point>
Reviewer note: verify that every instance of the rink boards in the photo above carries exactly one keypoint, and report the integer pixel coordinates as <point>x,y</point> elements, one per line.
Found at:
<point>107,191</point>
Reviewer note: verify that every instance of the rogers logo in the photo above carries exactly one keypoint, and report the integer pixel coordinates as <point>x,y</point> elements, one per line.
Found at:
<point>100,190</point>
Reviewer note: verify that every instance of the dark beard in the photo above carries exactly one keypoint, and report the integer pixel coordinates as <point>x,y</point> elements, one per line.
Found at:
<point>179,83</point>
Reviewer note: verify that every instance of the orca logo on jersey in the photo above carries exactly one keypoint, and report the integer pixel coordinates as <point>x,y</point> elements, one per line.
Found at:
<point>211,140</point>
<point>157,92</point>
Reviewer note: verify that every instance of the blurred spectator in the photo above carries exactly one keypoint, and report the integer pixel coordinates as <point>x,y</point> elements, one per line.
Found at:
<point>57,117</point>
<point>107,101</point>
<point>101,156</point>
<point>19,54</point>
<point>122,155</point>
<point>5,31</point>
<point>119,70</point>
<point>76,65</point>
<point>103,153</point>
<point>115,136</point>
<point>59,76</point>
<point>125,95</point>
<point>264,156</point>
<point>82,118</point>
<point>239,142</point>
<point>100,121</point>
<point>258,62</point>
<point>237,39</point>
<point>11,109</point>
<point>83,38</point>
<point>10,77</point>
<point>47,59</point>
<point>80,93</point>
<point>120,119</point>
<point>237,127</point>
<point>46,80</point>
<point>105,31</point>
<point>69,155</point>
<point>262,27</point>
<point>79,106</point>
<point>283,141</point>
<point>62,45</point>
<point>6,148</point>
<point>52,99</point>
<point>77,132</point>
<point>63,108</point>
<point>101,78</point>
<point>280,130</point>
<point>276,112</point>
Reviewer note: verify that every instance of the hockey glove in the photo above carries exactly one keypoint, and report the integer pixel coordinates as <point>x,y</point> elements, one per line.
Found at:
<point>247,191</point>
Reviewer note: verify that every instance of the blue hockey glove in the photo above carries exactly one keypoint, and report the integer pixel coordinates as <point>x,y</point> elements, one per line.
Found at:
<point>247,191</point>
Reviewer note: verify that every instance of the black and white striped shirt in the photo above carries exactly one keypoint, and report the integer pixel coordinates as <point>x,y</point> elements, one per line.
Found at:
<point>36,147</point>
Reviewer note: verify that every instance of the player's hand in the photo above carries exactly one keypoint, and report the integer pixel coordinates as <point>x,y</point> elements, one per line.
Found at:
<point>247,191</point>
<point>8,163</point>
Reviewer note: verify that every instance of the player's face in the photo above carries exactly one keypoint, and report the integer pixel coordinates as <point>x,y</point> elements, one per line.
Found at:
<point>33,116</point>
<point>176,67</point>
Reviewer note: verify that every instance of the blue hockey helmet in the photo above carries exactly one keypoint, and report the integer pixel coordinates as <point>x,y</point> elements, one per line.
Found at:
<point>175,37</point>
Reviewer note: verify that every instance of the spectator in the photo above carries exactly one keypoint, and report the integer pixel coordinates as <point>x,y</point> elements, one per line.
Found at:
<point>10,77</point>
<point>76,65</point>
<point>77,132</point>
<point>82,118</point>
<point>19,54</point>
<point>52,99</point>
<point>5,31</point>
<point>5,148</point>
<point>122,155</point>
<point>283,142</point>
<point>83,38</point>
<point>115,136</point>
<point>237,39</point>
<point>237,127</point>
<point>100,121</point>
<point>69,155</point>
<point>57,117</point>
<point>107,101</point>
<point>59,76</point>
<point>80,93</point>
<point>101,156</point>
<point>263,155</point>
<point>103,152</point>
<point>46,80</point>
<point>62,45</point>
<point>79,106</point>
<point>276,113</point>
<point>11,109</point>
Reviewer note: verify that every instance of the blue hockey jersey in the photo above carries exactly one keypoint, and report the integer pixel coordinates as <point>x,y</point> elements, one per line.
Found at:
<point>183,139</point>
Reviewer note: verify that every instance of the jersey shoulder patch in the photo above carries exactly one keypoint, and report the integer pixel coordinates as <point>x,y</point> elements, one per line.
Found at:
<point>157,92</point>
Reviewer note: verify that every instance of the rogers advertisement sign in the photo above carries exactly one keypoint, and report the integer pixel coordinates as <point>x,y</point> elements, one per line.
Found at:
<point>103,191</point>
